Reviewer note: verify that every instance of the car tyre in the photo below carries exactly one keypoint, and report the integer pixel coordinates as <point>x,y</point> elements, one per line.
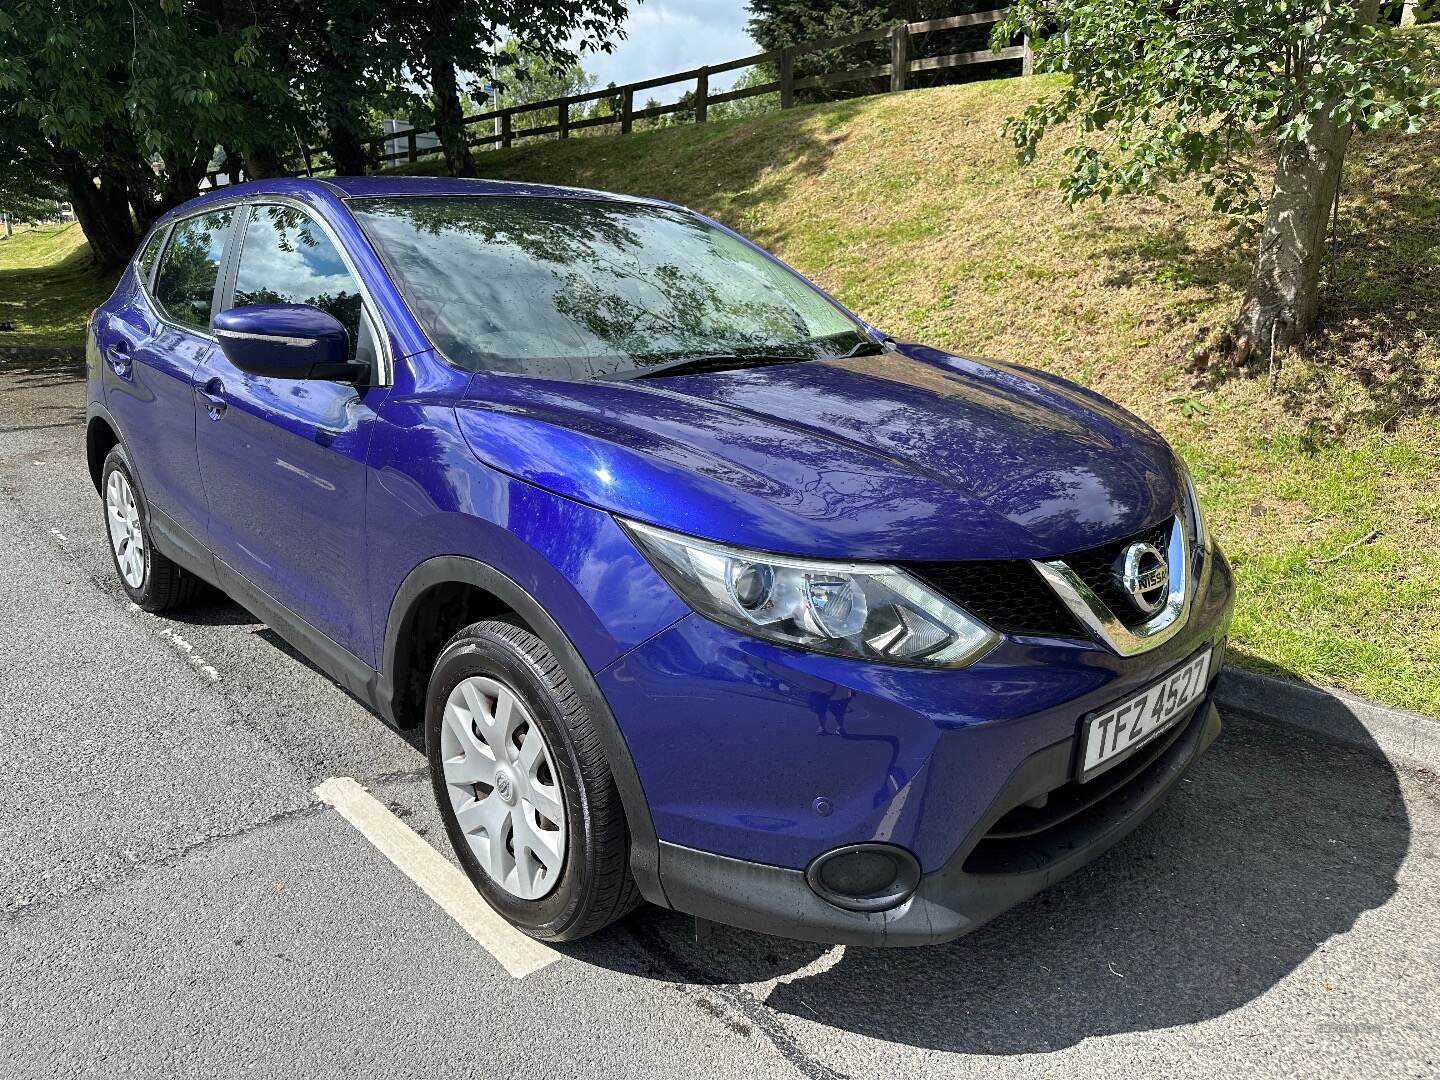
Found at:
<point>538,828</point>
<point>149,578</point>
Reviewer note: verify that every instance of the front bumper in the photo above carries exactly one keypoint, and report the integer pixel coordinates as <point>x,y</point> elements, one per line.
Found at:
<point>755,759</point>
<point>974,886</point>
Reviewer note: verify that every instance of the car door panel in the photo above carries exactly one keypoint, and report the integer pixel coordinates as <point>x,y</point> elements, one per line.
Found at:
<point>284,473</point>
<point>147,371</point>
<point>283,461</point>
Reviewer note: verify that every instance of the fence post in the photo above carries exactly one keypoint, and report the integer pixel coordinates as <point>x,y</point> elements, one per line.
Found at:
<point>412,146</point>
<point>627,110</point>
<point>702,95</point>
<point>1027,62</point>
<point>899,57</point>
<point>565,119</point>
<point>507,133</point>
<point>787,78</point>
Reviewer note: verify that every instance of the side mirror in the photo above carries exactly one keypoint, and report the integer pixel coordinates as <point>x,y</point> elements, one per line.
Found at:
<point>286,341</point>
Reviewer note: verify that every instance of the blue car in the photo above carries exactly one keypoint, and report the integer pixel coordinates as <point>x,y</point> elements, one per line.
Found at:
<point>706,592</point>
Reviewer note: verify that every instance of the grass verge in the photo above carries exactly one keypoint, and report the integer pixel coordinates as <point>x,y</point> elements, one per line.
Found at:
<point>47,286</point>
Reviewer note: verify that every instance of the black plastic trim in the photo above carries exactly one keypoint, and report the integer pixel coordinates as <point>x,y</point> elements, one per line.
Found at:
<point>181,546</point>
<point>347,669</point>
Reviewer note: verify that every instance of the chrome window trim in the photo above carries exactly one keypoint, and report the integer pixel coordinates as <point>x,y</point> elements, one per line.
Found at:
<point>160,233</point>
<point>368,308</point>
<point>1096,617</point>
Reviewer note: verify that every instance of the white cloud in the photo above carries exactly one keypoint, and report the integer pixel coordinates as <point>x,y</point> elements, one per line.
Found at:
<point>675,35</point>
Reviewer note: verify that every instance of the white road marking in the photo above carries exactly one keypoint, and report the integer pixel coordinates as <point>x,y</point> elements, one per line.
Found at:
<point>58,534</point>
<point>441,880</point>
<point>188,651</point>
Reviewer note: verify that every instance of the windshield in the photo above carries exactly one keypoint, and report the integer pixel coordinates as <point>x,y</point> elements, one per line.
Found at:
<point>581,288</point>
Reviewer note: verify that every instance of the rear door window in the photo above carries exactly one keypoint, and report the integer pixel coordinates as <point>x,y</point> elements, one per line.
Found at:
<point>189,268</point>
<point>287,258</point>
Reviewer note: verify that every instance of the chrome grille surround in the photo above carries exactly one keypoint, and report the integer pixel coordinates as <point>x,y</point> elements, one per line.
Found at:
<point>1095,616</point>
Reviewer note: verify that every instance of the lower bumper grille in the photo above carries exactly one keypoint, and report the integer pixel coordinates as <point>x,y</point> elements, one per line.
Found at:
<point>1026,837</point>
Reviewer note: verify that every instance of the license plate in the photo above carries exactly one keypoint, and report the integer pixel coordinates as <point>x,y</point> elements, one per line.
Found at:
<point>1109,737</point>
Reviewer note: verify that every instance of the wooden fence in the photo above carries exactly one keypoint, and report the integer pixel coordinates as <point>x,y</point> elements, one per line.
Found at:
<point>901,65</point>
<point>898,71</point>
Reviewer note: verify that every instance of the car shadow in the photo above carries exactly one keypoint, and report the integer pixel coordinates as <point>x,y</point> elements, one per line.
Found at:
<point>1272,844</point>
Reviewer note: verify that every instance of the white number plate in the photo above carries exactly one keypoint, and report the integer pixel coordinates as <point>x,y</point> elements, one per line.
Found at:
<point>1110,736</point>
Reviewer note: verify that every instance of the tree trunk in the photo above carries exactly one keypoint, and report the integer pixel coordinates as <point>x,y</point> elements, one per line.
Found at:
<point>103,210</point>
<point>232,166</point>
<point>1284,290</point>
<point>261,162</point>
<point>450,117</point>
<point>346,150</point>
<point>1283,295</point>
<point>183,176</point>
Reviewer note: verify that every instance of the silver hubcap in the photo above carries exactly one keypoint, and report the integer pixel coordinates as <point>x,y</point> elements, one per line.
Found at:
<point>503,787</point>
<point>125,534</point>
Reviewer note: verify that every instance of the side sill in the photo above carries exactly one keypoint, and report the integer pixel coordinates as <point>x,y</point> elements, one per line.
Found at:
<point>354,675</point>
<point>181,546</point>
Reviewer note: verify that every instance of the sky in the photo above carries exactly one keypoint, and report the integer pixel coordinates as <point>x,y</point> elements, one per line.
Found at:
<point>675,35</point>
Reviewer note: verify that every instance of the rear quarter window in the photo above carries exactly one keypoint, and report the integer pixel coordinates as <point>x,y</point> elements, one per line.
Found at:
<point>150,255</point>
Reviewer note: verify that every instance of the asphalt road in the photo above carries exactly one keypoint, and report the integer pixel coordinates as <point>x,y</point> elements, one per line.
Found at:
<point>175,900</point>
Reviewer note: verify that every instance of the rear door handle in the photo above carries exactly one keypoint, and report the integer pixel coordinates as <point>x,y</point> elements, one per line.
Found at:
<point>118,356</point>
<point>210,396</point>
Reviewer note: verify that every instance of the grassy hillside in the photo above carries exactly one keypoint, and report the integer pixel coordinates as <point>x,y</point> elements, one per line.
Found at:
<point>47,287</point>
<point>1325,492</point>
<point>912,211</point>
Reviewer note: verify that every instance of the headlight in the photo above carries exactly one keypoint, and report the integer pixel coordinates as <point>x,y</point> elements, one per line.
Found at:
<point>860,610</point>
<point>1196,515</point>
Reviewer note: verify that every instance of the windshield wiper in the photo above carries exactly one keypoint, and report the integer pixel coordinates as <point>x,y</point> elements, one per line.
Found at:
<point>694,365</point>
<point>867,347</point>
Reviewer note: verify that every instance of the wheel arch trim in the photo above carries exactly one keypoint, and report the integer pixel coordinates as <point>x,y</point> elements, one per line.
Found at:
<point>464,570</point>
<point>94,412</point>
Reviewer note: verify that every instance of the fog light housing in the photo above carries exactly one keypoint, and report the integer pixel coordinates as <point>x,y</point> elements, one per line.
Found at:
<point>864,877</point>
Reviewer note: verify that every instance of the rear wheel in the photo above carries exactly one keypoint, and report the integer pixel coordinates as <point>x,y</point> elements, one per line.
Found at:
<point>526,794</point>
<point>148,577</point>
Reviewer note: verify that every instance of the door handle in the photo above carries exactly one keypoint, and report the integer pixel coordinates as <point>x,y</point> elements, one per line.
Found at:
<point>210,396</point>
<point>118,356</point>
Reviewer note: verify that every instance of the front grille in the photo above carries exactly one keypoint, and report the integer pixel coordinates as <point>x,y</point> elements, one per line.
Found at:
<point>1012,597</point>
<point>1095,566</point>
<point>1009,595</point>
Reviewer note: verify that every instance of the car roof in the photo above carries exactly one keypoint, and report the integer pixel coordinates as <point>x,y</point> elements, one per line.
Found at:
<point>359,187</point>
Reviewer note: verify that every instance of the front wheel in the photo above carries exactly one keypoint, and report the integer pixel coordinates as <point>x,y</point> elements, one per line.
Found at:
<point>527,797</point>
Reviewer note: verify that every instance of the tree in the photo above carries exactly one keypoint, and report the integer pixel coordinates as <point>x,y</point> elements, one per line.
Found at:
<point>529,78</point>
<point>120,104</point>
<point>1164,89</point>
<point>749,106</point>
<point>455,36</point>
